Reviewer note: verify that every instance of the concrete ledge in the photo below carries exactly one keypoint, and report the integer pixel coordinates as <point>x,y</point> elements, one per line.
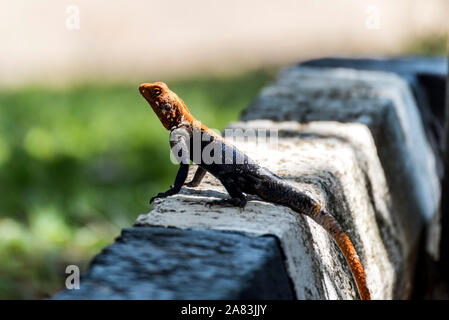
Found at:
<point>385,103</point>
<point>426,77</point>
<point>166,263</point>
<point>352,140</point>
<point>338,166</point>
<point>382,101</point>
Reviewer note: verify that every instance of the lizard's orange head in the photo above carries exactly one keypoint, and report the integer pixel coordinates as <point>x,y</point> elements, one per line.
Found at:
<point>170,109</point>
<point>151,91</point>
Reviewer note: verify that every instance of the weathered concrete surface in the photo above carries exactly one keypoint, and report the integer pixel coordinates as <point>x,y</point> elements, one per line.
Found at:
<point>336,164</point>
<point>161,263</point>
<point>426,77</point>
<point>402,65</point>
<point>383,102</point>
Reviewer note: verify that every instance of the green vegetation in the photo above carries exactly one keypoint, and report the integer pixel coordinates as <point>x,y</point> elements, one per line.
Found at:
<point>77,165</point>
<point>430,45</point>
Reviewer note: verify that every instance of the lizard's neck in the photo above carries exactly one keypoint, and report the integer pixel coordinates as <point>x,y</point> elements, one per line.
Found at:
<point>181,116</point>
<point>188,120</point>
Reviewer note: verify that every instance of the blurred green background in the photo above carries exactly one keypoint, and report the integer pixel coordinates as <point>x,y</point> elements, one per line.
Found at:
<point>79,163</point>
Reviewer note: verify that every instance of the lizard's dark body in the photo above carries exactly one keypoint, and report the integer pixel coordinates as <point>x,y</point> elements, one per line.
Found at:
<point>239,174</point>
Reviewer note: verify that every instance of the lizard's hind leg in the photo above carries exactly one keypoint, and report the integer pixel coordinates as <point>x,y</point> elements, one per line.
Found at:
<point>238,198</point>
<point>231,202</point>
<point>199,175</point>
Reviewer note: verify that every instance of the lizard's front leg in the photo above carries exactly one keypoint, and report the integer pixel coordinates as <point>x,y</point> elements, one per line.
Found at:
<point>179,138</point>
<point>199,175</point>
<point>179,181</point>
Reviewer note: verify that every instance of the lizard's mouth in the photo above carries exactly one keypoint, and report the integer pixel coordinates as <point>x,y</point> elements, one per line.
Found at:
<point>145,92</point>
<point>142,88</point>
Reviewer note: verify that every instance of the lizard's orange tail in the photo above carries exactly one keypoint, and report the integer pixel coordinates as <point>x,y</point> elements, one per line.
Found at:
<point>354,263</point>
<point>280,192</point>
<point>328,222</point>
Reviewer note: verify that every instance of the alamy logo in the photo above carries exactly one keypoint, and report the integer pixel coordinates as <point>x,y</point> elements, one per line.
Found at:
<point>372,21</point>
<point>201,150</point>
<point>73,280</point>
<point>72,21</point>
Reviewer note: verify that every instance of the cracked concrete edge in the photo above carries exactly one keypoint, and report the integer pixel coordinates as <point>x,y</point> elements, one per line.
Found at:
<point>168,263</point>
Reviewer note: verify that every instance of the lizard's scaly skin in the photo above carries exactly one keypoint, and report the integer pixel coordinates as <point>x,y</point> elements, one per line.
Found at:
<point>246,177</point>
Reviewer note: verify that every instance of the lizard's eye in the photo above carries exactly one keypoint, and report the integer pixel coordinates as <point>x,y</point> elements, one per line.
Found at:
<point>156,91</point>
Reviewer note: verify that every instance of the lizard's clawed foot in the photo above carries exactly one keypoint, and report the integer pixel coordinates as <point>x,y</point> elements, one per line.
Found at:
<point>160,195</point>
<point>231,202</point>
<point>191,184</point>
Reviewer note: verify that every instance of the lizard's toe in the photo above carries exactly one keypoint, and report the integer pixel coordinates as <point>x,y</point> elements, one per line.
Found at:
<point>191,184</point>
<point>230,202</point>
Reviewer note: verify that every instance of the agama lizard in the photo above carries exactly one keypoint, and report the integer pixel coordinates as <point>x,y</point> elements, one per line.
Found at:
<point>239,178</point>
